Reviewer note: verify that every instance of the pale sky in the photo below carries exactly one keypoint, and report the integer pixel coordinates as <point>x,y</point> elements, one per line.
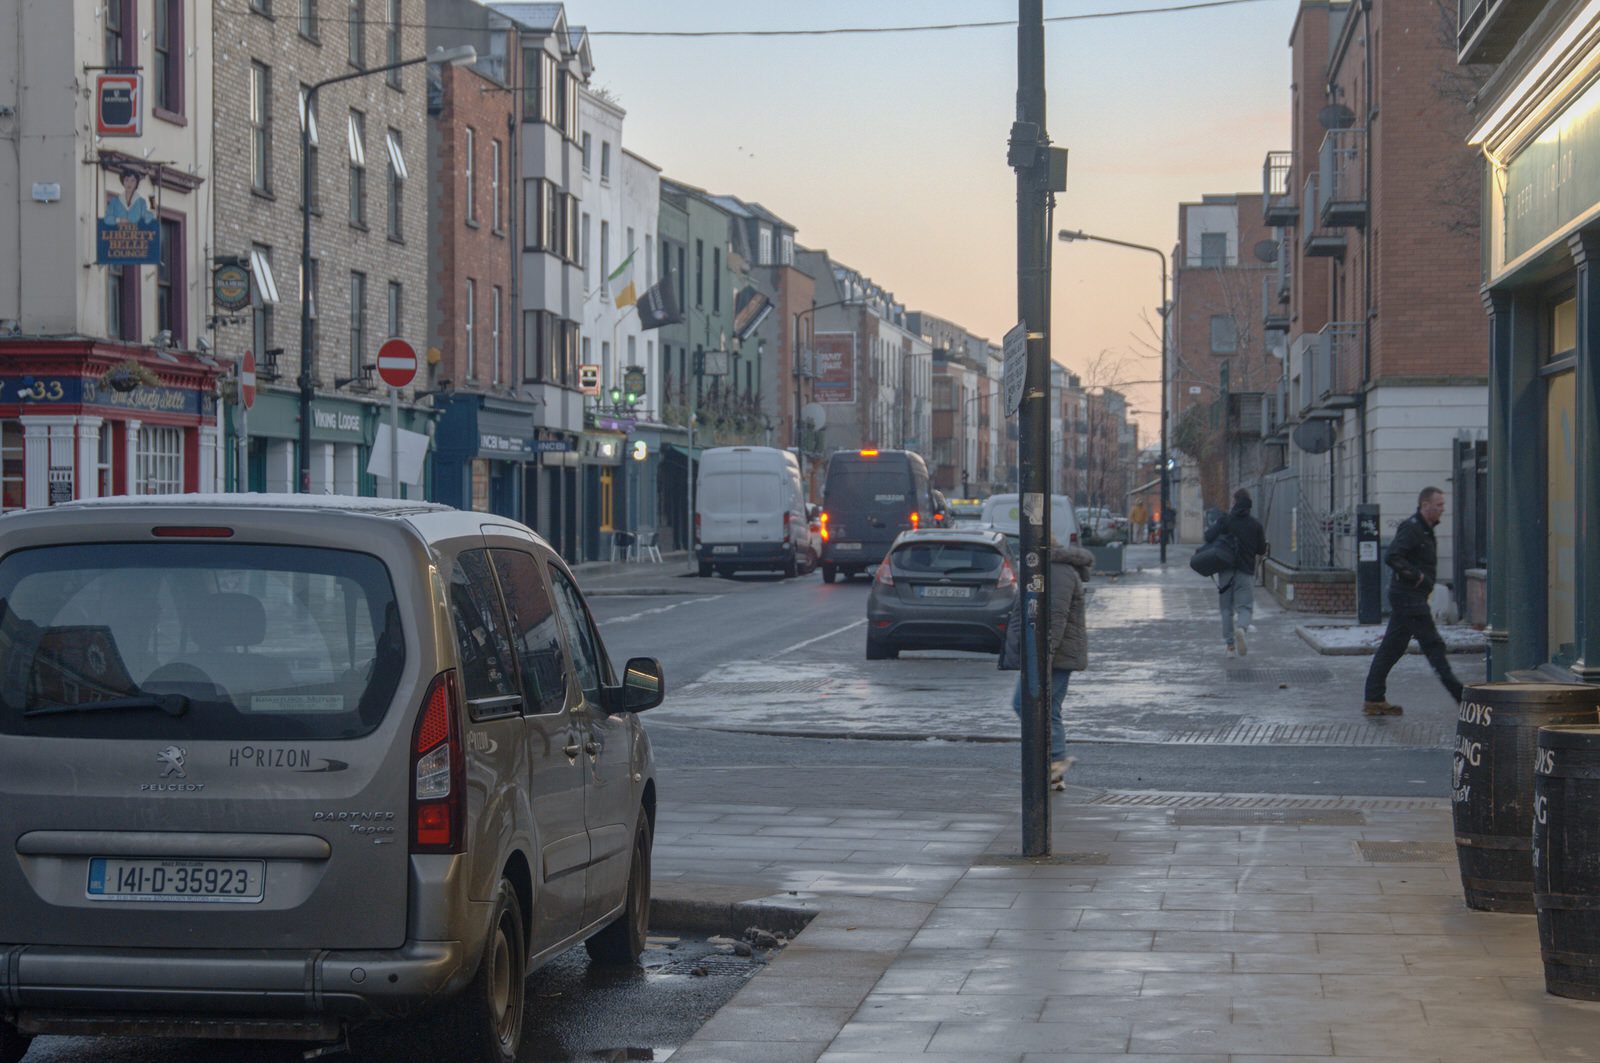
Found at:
<point>888,150</point>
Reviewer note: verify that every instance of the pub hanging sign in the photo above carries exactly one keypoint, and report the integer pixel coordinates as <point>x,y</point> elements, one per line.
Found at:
<point>128,233</point>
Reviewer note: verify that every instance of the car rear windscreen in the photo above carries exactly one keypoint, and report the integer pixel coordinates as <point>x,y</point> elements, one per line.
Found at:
<point>199,641</point>
<point>863,489</point>
<point>736,492</point>
<point>947,559</point>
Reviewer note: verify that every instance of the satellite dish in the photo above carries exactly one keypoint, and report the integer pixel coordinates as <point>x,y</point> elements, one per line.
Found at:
<point>814,415</point>
<point>1314,437</point>
<point>1267,251</point>
<point>1336,116</point>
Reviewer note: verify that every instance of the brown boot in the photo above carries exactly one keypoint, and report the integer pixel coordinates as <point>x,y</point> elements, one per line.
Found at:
<point>1380,708</point>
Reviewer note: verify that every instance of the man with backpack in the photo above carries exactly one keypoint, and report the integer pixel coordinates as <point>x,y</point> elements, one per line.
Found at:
<point>1236,585</point>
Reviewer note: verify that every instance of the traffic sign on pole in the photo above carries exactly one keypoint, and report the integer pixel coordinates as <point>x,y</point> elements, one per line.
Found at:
<point>1015,350</point>
<point>397,363</point>
<point>247,380</point>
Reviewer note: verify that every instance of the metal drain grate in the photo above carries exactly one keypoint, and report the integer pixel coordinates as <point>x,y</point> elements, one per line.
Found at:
<point>712,967</point>
<point>1270,817</point>
<point>1166,799</point>
<point>1278,675</point>
<point>1053,860</point>
<point>1365,733</point>
<point>1407,852</point>
<point>791,686</point>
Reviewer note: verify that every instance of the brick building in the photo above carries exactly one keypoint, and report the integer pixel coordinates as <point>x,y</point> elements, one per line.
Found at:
<point>369,235</point>
<point>1221,365</point>
<point>483,446</point>
<point>1386,363</point>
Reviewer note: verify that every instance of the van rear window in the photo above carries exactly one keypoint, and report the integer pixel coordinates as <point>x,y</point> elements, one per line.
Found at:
<point>195,640</point>
<point>868,491</point>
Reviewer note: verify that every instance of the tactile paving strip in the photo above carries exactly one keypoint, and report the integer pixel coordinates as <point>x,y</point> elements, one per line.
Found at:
<point>1410,736</point>
<point>1270,817</point>
<point>1278,675</point>
<point>1161,799</point>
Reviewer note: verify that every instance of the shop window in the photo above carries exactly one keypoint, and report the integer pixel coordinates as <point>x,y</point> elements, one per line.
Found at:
<point>160,461</point>
<point>12,464</point>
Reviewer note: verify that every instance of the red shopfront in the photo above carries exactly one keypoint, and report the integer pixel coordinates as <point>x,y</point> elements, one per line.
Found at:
<point>81,419</point>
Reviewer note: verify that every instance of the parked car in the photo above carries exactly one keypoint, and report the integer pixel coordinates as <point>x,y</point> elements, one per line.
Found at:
<point>1102,524</point>
<point>1004,513</point>
<point>941,589</point>
<point>750,512</point>
<point>965,509</point>
<point>302,767</point>
<point>868,498</point>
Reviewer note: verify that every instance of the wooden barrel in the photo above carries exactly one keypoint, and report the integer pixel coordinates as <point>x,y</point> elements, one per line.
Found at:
<point>1497,738</point>
<point>1566,859</point>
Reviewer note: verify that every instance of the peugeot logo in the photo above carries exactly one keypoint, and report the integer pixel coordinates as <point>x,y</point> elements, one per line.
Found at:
<point>171,760</point>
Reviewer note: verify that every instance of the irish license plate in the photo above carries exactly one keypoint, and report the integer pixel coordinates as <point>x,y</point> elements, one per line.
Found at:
<point>945,592</point>
<point>847,546</point>
<point>157,879</point>
<point>725,549</point>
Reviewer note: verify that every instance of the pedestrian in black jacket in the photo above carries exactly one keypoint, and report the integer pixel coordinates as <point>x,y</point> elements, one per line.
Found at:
<point>1413,554</point>
<point>1236,588</point>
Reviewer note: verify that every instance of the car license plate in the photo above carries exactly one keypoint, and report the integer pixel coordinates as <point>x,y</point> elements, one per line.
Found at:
<point>156,879</point>
<point>725,549</point>
<point>847,546</point>
<point>945,592</point>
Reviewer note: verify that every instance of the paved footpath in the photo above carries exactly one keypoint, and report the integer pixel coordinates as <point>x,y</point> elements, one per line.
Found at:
<point>1166,926</point>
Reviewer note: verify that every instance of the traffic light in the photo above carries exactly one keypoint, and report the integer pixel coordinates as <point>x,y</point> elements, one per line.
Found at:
<point>640,450</point>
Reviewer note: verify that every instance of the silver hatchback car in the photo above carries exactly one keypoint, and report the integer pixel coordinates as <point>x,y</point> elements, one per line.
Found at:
<point>273,766</point>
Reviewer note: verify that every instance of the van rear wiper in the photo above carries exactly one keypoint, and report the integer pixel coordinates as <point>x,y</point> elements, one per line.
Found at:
<point>172,704</point>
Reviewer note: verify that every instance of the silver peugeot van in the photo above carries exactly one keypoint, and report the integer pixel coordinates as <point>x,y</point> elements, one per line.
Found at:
<point>274,766</point>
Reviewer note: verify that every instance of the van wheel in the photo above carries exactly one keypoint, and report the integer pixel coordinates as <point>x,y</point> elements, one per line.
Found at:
<point>622,940</point>
<point>829,573</point>
<point>485,1021</point>
<point>13,1045</point>
<point>705,570</point>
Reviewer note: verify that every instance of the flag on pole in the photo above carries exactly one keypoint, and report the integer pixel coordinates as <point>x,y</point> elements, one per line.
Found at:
<point>620,282</point>
<point>659,305</point>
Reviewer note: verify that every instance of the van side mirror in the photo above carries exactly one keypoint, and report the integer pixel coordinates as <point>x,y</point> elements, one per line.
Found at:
<point>644,685</point>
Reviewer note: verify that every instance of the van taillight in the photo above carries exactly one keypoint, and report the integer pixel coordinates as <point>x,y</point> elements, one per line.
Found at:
<point>786,516</point>
<point>438,768</point>
<point>824,523</point>
<point>697,527</point>
<point>916,520</point>
<point>1072,539</point>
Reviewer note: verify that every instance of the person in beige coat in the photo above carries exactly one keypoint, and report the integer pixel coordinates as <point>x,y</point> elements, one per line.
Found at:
<point>1070,567</point>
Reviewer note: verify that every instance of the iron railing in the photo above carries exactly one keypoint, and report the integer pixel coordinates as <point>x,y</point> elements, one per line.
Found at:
<point>1342,172</point>
<point>1277,196</point>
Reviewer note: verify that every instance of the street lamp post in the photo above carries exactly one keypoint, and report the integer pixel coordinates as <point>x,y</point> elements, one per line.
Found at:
<point>1069,235</point>
<point>799,447</point>
<point>462,55</point>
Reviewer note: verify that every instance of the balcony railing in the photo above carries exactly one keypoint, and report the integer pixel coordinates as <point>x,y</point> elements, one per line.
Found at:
<point>1342,177</point>
<point>1486,30</point>
<point>1332,370</point>
<point>1274,313</point>
<point>1316,239</point>
<point>1277,194</point>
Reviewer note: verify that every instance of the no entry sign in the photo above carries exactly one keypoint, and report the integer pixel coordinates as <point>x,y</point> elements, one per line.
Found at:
<point>247,380</point>
<point>397,363</point>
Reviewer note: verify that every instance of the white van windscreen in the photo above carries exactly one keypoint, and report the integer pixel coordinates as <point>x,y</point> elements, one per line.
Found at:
<point>199,641</point>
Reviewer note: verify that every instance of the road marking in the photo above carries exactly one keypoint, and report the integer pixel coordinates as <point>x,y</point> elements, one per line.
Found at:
<point>659,609</point>
<point>819,638</point>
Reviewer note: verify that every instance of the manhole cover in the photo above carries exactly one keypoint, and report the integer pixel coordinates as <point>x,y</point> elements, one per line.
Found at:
<point>1053,860</point>
<point>1407,852</point>
<point>712,967</point>
<point>1279,675</point>
<point>1254,817</point>
<point>791,686</point>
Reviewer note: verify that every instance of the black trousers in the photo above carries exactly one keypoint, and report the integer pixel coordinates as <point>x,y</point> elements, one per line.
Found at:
<point>1407,623</point>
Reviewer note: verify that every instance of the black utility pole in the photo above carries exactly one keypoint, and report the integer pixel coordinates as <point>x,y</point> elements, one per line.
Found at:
<point>1030,156</point>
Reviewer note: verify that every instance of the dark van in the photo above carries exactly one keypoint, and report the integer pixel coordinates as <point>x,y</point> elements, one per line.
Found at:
<point>870,497</point>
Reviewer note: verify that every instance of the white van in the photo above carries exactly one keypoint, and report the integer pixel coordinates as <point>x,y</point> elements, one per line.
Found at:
<point>750,512</point>
<point>1004,513</point>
